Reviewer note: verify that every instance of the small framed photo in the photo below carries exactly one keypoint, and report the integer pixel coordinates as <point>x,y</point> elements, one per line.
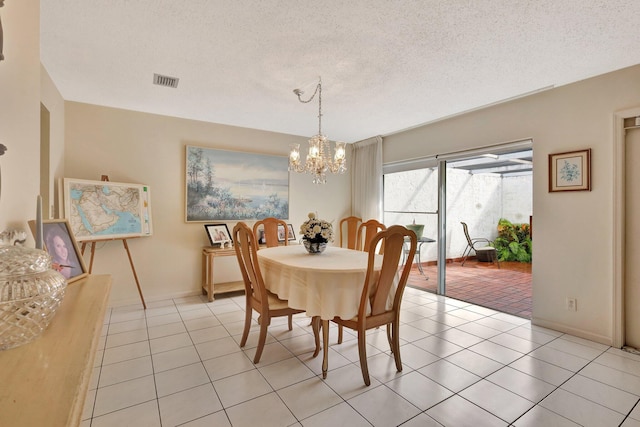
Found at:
<point>292,235</point>
<point>218,233</point>
<point>570,171</point>
<point>60,243</point>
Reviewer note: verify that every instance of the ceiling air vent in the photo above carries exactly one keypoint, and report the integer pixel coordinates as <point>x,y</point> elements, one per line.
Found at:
<point>167,81</point>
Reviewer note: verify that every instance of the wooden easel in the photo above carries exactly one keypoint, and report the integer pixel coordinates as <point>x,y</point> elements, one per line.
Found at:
<point>126,247</point>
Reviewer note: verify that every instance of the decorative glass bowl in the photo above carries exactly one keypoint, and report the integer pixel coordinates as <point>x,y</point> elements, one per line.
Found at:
<point>30,294</point>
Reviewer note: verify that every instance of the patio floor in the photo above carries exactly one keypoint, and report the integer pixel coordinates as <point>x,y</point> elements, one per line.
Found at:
<point>506,289</point>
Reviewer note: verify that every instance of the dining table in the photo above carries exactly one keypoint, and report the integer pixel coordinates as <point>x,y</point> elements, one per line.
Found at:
<point>325,285</point>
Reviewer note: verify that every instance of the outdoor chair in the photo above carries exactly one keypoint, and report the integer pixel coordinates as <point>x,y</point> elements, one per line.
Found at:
<point>485,251</point>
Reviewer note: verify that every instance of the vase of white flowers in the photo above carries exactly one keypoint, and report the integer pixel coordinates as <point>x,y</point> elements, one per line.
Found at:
<point>316,233</point>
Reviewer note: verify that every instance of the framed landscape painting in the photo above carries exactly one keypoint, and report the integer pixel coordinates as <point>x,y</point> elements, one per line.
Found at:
<point>222,185</point>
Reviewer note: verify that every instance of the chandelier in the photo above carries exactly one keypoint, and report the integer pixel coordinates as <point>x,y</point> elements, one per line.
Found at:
<point>318,161</point>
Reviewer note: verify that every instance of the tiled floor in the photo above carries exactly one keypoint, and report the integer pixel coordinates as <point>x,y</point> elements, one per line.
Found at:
<point>506,289</point>
<point>179,363</point>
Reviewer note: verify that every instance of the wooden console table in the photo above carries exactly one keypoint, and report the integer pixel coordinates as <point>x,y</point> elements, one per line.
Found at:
<point>44,382</point>
<point>209,253</point>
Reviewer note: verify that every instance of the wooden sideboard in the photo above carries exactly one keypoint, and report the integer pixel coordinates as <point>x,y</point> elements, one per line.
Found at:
<point>209,254</point>
<point>44,382</point>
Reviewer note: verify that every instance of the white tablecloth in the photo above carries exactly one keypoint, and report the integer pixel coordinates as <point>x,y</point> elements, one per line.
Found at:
<point>326,285</point>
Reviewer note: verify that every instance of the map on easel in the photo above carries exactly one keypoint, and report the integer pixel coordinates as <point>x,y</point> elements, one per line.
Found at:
<point>102,210</point>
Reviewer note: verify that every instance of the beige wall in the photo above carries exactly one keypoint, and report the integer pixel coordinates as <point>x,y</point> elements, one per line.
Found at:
<point>150,149</point>
<point>573,246</point>
<point>20,114</point>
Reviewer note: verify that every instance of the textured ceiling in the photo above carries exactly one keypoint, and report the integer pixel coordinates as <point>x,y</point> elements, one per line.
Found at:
<point>386,65</point>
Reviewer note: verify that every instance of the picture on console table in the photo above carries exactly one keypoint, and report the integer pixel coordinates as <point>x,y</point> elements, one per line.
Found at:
<point>61,245</point>
<point>224,185</point>
<point>218,233</point>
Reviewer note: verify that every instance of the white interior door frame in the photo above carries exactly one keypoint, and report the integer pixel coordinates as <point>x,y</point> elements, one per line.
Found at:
<point>619,138</point>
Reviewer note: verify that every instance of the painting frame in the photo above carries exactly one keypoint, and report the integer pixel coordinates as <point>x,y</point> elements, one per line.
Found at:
<point>292,235</point>
<point>570,171</point>
<point>218,234</point>
<point>74,268</point>
<point>227,186</point>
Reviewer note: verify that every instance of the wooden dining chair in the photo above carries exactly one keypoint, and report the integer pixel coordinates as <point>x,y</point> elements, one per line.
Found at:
<point>366,231</point>
<point>350,225</point>
<point>258,298</point>
<point>373,310</point>
<point>270,228</point>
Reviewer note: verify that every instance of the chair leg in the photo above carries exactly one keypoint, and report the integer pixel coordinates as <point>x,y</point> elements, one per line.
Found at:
<point>247,326</point>
<point>466,254</point>
<point>362,352</point>
<point>261,340</point>
<point>389,338</point>
<point>291,322</point>
<point>315,325</point>
<point>395,325</point>
<point>339,334</point>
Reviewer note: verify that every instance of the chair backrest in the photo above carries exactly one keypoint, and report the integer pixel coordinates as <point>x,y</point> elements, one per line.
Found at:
<point>246,246</point>
<point>270,228</point>
<point>366,231</point>
<point>377,286</point>
<point>466,233</point>
<point>352,223</point>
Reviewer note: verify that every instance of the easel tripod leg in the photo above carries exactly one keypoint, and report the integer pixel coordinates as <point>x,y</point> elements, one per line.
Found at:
<point>135,276</point>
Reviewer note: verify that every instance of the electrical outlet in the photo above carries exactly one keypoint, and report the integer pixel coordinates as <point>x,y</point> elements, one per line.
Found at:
<point>572,304</point>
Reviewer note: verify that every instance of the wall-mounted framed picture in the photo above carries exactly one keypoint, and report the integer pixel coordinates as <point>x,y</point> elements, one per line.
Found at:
<point>223,185</point>
<point>292,235</point>
<point>60,243</point>
<point>218,234</point>
<point>570,171</point>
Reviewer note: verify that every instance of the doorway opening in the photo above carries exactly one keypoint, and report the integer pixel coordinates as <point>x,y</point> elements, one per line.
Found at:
<point>487,189</point>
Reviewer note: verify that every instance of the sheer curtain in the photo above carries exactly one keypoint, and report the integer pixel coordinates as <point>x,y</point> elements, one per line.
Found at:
<point>366,179</point>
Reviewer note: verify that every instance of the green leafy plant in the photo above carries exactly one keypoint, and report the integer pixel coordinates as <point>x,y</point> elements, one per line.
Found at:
<point>513,242</point>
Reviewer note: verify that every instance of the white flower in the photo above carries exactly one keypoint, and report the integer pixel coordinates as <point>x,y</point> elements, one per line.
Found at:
<point>316,230</point>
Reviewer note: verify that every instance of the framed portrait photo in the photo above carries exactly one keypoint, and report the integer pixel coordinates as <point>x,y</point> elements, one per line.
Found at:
<point>61,245</point>
<point>218,233</point>
<point>281,233</point>
<point>570,171</point>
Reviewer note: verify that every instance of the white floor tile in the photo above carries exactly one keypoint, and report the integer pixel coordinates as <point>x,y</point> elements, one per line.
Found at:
<point>474,363</point>
<point>142,415</point>
<point>170,342</point>
<point>241,387</point>
<point>124,395</point>
<point>542,370</point>
<point>267,411</point>
<point>498,401</point>
<point>383,407</point>
<point>605,395</point>
<point>525,385</point>
<point>228,365</point>
<point>438,346</point>
<point>459,412</point>
<point>285,373</point>
<point>415,358</point>
<point>125,371</point>
<point>187,352</point>
<point>188,405</point>
<point>180,379</point>
<point>339,415</point>
<point>580,410</point>
<point>309,397</point>
<point>449,375</point>
<point>559,358</point>
<point>174,359</point>
<point>458,337</point>
<point>419,390</point>
<point>539,416</point>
